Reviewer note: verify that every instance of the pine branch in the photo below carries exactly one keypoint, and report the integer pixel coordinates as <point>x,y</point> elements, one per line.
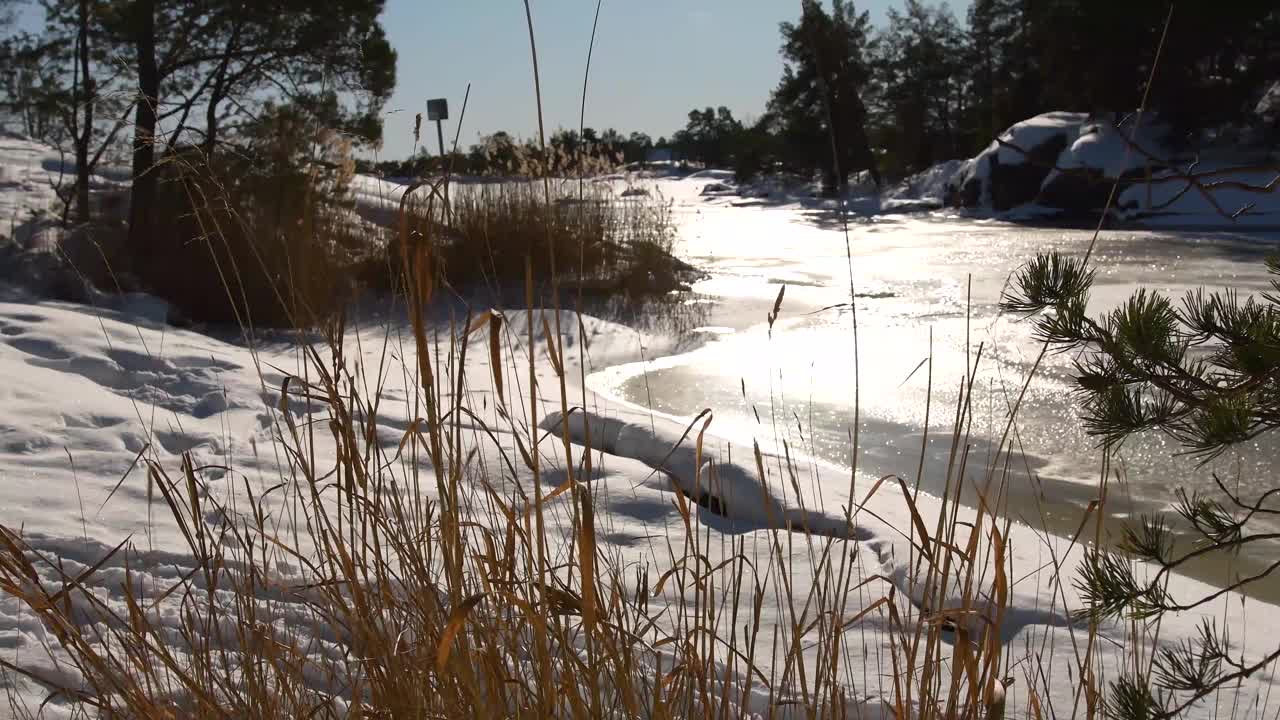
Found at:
<point>1221,681</point>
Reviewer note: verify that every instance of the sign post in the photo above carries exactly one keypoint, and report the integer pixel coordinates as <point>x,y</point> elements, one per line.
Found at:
<point>438,110</point>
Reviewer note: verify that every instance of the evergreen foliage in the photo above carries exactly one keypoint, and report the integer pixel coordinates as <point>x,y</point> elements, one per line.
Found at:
<point>183,74</point>
<point>1205,371</point>
<point>818,103</point>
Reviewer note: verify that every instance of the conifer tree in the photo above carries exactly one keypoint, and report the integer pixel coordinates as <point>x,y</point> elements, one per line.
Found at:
<point>819,99</point>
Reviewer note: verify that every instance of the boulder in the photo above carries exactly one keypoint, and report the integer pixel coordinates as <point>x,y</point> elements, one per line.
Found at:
<point>1065,162</point>
<point>1012,184</point>
<point>1084,191</point>
<point>1010,171</point>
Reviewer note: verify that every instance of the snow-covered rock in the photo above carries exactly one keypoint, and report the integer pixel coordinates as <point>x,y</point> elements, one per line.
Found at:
<point>1103,153</point>
<point>1010,171</point>
<point>1064,163</point>
<point>717,188</point>
<point>1116,150</point>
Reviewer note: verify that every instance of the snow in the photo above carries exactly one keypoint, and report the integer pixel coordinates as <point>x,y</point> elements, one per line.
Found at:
<point>1042,599</point>
<point>1034,132</point>
<point>89,389</point>
<point>712,174</point>
<point>1268,107</point>
<point>25,188</point>
<point>926,185</point>
<point>29,172</point>
<point>1104,147</point>
<point>367,189</point>
<point>1177,203</point>
<point>100,388</point>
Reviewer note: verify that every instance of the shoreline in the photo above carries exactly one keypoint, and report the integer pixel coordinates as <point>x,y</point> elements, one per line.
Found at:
<point>1019,503</point>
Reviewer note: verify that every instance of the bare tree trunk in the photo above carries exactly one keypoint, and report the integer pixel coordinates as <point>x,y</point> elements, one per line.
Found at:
<point>86,129</point>
<point>211,121</point>
<point>143,191</point>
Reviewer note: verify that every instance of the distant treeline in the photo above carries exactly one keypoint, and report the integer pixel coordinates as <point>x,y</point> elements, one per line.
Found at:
<point>928,87</point>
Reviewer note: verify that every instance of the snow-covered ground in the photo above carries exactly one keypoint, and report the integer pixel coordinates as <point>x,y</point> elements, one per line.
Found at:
<point>98,388</point>
<point>30,177</point>
<point>927,185</point>
<point>27,176</point>
<point>87,390</point>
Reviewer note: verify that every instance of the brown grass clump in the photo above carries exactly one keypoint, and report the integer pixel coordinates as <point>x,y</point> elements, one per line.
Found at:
<point>262,239</point>
<point>603,244</point>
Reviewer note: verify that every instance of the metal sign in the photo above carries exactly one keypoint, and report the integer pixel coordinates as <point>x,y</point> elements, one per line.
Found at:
<point>438,109</point>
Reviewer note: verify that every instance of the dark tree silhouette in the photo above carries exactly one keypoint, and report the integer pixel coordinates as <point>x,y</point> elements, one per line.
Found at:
<point>819,99</point>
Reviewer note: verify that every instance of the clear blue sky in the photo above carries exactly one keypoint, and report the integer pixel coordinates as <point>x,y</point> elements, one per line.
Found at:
<point>654,61</point>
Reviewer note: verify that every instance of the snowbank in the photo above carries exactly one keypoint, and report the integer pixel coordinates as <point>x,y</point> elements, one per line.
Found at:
<point>95,393</point>
<point>27,171</point>
<point>1036,628</point>
<point>30,172</point>
<point>927,185</point>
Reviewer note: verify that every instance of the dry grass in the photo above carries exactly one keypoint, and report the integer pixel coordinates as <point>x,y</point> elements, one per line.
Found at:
<point>442,579</point>
<point>254,241</point>
<point>605,244</point>
<point>447,583</point>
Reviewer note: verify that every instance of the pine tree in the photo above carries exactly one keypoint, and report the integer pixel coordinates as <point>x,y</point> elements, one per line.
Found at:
<point>1095,56</point>
<point>709,137</point>
<point>818,101</point>
<point>62,82</point>
<point>921,87</point>
<point>637,147</point>
<point>199,66</point>
<point>1205,372</point>
<point>1006,74</point>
